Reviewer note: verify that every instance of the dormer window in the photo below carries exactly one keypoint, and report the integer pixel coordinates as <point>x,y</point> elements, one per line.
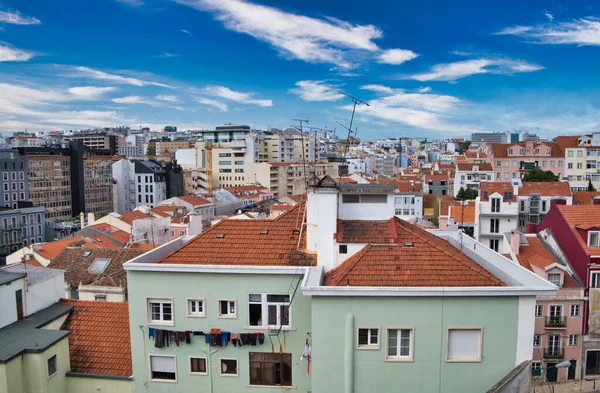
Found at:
<point>495,205</point>
<point>510,151</point>
<point>593,238</point>
<point>554,278</point>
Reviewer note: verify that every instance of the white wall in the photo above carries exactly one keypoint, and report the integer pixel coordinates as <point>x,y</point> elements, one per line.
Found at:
<point>45,293</point>
<point>353,248</point>
<point>367,211</point>
<point>8,304</point>
<point>526,329</point>
<point>89,292</point>
<point>157,228</point>
<point>186,158</point>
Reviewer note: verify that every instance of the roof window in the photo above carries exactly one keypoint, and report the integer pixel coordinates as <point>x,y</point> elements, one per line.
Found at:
<point>220,235</point>
<point>98,266</point>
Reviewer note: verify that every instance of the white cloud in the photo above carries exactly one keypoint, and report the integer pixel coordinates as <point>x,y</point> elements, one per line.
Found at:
<point>166,97</point>
<point>101,75</point>
<point>138,100</point>
<point>425,89</point>
<point>462,69</point>
<point>313,40</point>
<point>167,55</point>
<point>186,32</point>
<point>17,19</point>
<point>8,53</point>
<point>378,88</point>
<point>131,3</point>
<point>90,92</point>
<point>396,56</point>
<point>213,103</point>
<point>549,16</point>
<point>316,91</point>
<point>584,31</point>
<point>242,98</point>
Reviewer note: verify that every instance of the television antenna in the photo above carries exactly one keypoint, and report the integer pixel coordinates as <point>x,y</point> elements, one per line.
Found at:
<point>355,101</point>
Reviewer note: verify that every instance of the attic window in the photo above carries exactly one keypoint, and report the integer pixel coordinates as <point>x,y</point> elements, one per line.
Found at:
<point>98,266</point>
<point>264,231</point>
<point>408,244</point>
<point>296,231</point>
<point>87,254</point>
<point>220,235</point>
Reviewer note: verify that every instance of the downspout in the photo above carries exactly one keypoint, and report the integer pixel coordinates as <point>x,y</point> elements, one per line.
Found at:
<point>209,352</point>
<point>349,355</point>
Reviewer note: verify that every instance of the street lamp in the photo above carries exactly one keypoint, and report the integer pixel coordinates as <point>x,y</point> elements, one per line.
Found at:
<point>565,364</point>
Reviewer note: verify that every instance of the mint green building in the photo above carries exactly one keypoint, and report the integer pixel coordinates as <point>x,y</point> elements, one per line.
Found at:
<point>383,304</point>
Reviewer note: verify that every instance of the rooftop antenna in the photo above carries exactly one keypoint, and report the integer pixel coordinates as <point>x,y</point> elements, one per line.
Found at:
<point>355,101</point>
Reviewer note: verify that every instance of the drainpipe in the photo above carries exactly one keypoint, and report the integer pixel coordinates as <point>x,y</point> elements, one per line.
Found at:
<point>349,355</point>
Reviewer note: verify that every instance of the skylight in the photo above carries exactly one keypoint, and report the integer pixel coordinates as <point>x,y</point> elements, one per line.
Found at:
<point>98,266</point>
<point>86,254</point>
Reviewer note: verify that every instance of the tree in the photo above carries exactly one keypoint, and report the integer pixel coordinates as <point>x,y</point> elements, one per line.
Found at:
<point>538,175</point>
<point>151,150</point>
<point>463,147</point>
<point>465,194</point>
<point>591,186</point>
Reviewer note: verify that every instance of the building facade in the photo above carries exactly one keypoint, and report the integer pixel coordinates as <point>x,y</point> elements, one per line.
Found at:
<point>512,161</point>
<point>469,176</point>
<point>20,228</point>
<point>139,183</point>
<point>13,178</point>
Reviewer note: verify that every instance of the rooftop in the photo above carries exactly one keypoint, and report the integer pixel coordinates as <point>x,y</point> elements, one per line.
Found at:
<point>582,218</point>
<point>413,258</point>
<point>545,189</point>
<point>500,150</point>
<point>51,249</point>
<point>7,278</point>
<point>467,166</point>
<point>195,200</point>
<point>584,197</point>
<point>99,342</point>
<point>35,274</point>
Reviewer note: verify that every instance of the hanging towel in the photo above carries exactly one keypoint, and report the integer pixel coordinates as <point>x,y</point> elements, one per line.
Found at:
<point>150,332</point>
<point>158,340</point>
<point>225,338</point>
<point>236,339</point>
<point>188,337</point>
<point>207,339</point>
<point>261,338</point>
<point>253,337</point>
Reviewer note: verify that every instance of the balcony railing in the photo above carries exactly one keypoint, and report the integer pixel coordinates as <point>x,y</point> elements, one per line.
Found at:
<point>556,322</point>
<point>554,353</point>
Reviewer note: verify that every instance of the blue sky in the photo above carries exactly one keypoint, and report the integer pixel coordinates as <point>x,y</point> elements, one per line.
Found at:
<point>427,68</point>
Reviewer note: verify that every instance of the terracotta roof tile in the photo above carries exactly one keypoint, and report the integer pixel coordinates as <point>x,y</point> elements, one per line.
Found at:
<point>361,231</point>
<point>467,166</point>
<point>475,154</point>
<point>567,141</point>
<point>445,205</point>
<point>195,200</point>
<point>271,242</point>
<point>458,211</point>
<point>546,188</point>
<point>500,150</point>
<point>129,217</point>
<point>580,218</point>
<point>76,266</point>
<point>50,250</point>
<point>99,342</point>
<point>417,258</point>
<point>584,197</point>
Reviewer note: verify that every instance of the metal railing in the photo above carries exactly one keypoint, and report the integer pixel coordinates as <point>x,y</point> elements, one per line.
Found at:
<point>554,353</point>
<point>556,322</point>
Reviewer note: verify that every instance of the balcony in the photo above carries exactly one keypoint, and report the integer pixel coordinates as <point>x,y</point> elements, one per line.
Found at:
<point>556,322</point>
<point>555,353</point>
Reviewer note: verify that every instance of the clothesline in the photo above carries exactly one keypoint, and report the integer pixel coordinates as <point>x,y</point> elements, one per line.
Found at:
<point>214,338</point>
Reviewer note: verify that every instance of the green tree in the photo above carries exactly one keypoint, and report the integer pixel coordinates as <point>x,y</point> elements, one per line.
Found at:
<point>591,186</point>
<point>463,147</point>
<point>538,175</point>
<point>151,150</point>
<point>466,194</point>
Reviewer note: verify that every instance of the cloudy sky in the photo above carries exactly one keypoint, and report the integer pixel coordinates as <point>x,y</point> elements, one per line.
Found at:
<point>427,68</point>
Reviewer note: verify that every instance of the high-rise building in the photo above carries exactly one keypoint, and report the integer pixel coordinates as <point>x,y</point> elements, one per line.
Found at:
<point>13,178</point>
<point>96,141</point>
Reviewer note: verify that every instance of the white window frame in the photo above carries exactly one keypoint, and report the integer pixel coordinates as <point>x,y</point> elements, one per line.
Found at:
<point>158,321</point>
<point>369,344</point>
<point>590,236</point>
<point>196,314</point>
<point>150,369</point>
<point>196,372</point>
<point>578,308</point>
<point>228,315</point>
<point>595,276</point>
<point>554,276</point>
<point>569,342</point>
<point>411,350</point>
<point>265,311</point>
<point>558,307</point>
<point>541,309</point>
<point>48,370</point>
<point>539,340</point>
<point>466,360</point>
<point>237,368</point>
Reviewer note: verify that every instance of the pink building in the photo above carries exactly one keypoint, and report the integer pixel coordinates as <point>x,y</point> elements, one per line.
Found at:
<point>513,160</point>
<point>559,318</point>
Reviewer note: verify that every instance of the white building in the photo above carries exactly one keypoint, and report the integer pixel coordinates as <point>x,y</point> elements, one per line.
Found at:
<point>409,206</point>
<point>469,176</point>
<point>139,183</point>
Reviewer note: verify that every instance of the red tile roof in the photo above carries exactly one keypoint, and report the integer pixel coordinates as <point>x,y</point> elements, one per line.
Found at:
<point>360,231</point>
<point>500,150</point>
<point>584,197</point>
<point>99,342</point>
<point>546,189</point>
<point>195,200</point>
<point>475,154</point>
<point>581,218</point>
<point>429,262</point>
<point>50,250</point>
<point>445,205</point>
<point>240,242</point>
<point>458,211</point>
<point>467,166</point>
<point>129,217</point>
<point>566,142</point>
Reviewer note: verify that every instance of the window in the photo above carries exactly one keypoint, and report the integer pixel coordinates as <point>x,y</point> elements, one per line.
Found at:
<point>160,311</point>
<point>270,369</point>
<point>498,163</point>
<point>592,362</point>
<point>498,175</point>
<point>196,308</point>
<point>510,151</point>
<point>229,367</point>
<point>181,233</point>
<point>554,278</point>
<point>269,310</point>
<point>544,205</point>
<point>537,151</point>
<point>52,365</point>
<point>537,341</point>
<point>350,198</point>
<point>464,344</point>
<point>570,165</point>
<point>227,309</point>
<point>100,298</point>
<point>514,163</point>
<point>579,153</point>
<point>494,244</point>
<point>579,165</point>
<point>494,225</point>
<point>521,151</point>
<point>593,239</point>
<point>538,310</point>
<point>198,366</point>
<point>373,198</point>
<point>163,368</point>
<point>368,338</point>
<point>575,310</point>
<point>573,340</point>
<point>495,205</point>
<point>399,344</point>
<point>570,153</point>
<point>522,208</point>
<point>536,369</point>
<point>343,249</point>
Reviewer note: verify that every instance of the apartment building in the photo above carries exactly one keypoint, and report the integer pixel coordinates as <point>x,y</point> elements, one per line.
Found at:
<point>19,228</point>
<point>287,146</point>
<point>171,146</point>
<point>287,178</point>
<point>139,182</point>
<point>100,141</point>
<point>97,172</point>
<point>513,160</point>
<point>408,205</point>
<point>558,318</point>
<point>50,185</point>
<point>582,157</point>
<point>315,317</point>
<point>14,178</point>
<point>470,175</point>
<point>436,184</point>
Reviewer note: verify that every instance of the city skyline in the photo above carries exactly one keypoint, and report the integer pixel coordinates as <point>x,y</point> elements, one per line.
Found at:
<point>200,63</point>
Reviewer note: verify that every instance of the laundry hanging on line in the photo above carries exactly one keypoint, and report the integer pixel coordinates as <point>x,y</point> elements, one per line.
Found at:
<point>216,338</point>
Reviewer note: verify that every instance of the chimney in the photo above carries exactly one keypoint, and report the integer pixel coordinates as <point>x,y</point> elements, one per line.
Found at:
<point>82,219</point>
<point>321,220</point>
<point>91,219</point>
<point>515,240</point>
<point>515,190</point>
